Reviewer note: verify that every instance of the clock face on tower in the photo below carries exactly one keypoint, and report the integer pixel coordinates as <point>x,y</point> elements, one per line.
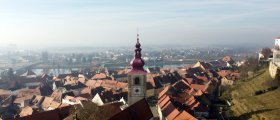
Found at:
<point>136,91</point>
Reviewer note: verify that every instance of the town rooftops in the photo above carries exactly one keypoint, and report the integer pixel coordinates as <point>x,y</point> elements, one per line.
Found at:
<point>57,114</point>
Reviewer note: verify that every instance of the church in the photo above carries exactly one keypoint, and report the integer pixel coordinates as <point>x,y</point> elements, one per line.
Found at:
<point>137,76</point>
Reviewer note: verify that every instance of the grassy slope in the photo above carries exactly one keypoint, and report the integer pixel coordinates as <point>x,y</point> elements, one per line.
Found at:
<point>248,106</point>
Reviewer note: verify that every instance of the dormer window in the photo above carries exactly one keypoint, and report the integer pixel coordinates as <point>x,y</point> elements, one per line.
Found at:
<point>136,81</point>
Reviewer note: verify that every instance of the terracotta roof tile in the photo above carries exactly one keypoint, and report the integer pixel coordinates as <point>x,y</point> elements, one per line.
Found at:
<point>181,85</point>
<point>91,83</point>
<point>57,114</point>
<point>98,83</point>
<point>121,85</point>
<point>47,102</point>
<point>189,80</point>
<point>169,111</point>
<point>185,116</point>
<point>99,76</point>
<point>164,102</point>
<point>55,104</point>
<point>203,88</point>
<point>163,92</point>
<point>26,111</point>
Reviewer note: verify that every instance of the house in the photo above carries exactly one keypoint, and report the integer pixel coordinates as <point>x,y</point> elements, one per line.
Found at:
<point>203,65</point>
<point>226,82</point>
<point>24,96</point>
<point>169,112</point>
<point>106,97</point>
<point>29,74</point>
<point>120,77</point>
<point>70,100</point>
<point>229,60</point>
<point>103,98</point>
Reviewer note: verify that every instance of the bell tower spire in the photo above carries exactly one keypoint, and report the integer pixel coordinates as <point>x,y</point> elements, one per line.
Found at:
<point>137,76</point>
<point>137,62</point>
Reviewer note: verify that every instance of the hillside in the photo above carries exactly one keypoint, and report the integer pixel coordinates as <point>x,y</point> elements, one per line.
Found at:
<point>247,105</point>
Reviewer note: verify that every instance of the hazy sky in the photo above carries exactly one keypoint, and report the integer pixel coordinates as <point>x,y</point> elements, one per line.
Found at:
<point>114,22</point>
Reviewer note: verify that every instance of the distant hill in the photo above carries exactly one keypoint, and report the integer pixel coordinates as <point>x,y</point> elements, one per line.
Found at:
<point>246,105</point>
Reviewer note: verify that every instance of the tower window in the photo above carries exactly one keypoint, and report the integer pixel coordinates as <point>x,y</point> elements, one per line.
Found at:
<point>137,81</point>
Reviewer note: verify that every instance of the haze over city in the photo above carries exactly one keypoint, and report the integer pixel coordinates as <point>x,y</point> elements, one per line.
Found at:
<point>62,23</point>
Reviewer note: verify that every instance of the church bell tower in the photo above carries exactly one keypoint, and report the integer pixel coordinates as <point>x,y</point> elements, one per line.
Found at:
<point>137,76</point>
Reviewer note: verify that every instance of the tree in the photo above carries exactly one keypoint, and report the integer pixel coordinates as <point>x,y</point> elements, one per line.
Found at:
<point>250,65</point>
<point>266,52</point>
<point>90,111</point>
<point>8,74</point>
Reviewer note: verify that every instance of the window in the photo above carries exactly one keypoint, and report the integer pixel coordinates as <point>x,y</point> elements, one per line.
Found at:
<point>136,81</point>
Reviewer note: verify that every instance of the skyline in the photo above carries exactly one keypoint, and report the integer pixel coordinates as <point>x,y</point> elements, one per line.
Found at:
<point>31,23</point>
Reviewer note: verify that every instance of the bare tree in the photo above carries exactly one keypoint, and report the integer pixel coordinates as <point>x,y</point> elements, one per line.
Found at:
<point>266,52</point>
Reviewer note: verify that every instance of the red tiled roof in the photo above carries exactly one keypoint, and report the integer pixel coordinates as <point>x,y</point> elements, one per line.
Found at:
<point>164,101</point>
<point>98,83</point>
<point>47,102</point>
<point>203,78</point>
<point>109,84</point>
<point>161,99</point>
<point>91,83</point>
<point>132,112</point>
<point>223,73</point>
<point>190,101</point>
<point>169,111</point>
<point>121,85</point>
<point>203,88</point>
<point>37,100</point>
<point>99,76</point>
<point>194,105</point>
<point>185,116</point>
<point>163,91</point>
<point>26,111</point>
<point>189,80</point>
<point>55,104</point>
<point>48,115</point>
<point>227,59</point>
<point>57,114</point>
<point>198,93</point>
<point>86,90</point>
<point>181,85</point>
